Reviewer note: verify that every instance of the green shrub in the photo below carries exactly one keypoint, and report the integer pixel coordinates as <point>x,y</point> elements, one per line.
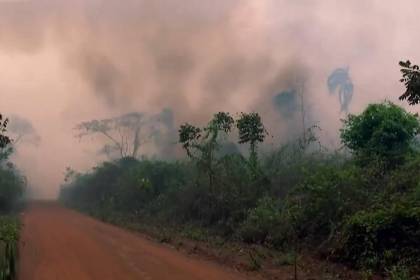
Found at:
<point>317,208</point>
<point>12,187</point>
<point>398,272</point>
<point>261,222</point>
<point>361,208</point>
<point>382,132</point>
<point>9,233</point>
<point>381,237</point>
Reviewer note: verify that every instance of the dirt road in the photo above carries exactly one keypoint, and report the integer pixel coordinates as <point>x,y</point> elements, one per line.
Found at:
<point>61,244</point>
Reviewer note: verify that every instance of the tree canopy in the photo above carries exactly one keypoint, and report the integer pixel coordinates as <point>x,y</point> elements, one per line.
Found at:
<point>4,139</point>
<point>411,79</point>
<point>12,183</point>
<point>339,81</point>
<point>382,130</point>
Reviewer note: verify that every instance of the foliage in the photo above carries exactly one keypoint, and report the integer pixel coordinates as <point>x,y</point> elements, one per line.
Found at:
<point>252,131</point>
<point>9,233</point>
<point>384,236</point>
<point>398,272</point>
<point>304,198</point>
<point>254,261</point>
<point>127,133</point>
<point>4,139</point>
<point>202,144</point>
<point>205,140</point>
<point>411,79</point>
<point>126,185</point>
<point>317,208</point>
<point>123,132</point>
<point>382,132</point>
<point>9,229</point>
<point>261,221</point>
<point>339,80</point>
<point>12,183</point>
<point>12,187</point>
<point>188,137</point>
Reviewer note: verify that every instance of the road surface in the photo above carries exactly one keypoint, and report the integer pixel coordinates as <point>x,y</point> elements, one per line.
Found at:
<point>61,244</point>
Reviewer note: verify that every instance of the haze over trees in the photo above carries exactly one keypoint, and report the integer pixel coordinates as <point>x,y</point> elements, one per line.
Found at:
<point>359,207</point>
<point>23,131</point>
<point>12,183</point>
<point>12,188</point>
<point>251,150</point>
<point>125,135</point>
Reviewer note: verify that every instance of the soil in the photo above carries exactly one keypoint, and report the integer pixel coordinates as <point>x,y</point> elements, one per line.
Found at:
<point>58,243</point>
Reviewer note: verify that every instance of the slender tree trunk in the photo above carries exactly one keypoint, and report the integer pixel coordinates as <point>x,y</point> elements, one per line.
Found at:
<point>302,110</point>
<point>253,158</point>
<point>136,142</point>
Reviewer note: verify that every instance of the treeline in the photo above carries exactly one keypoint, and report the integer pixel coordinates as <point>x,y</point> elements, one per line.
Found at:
<point>12,183</point>
<point>359,206</point>
<point>12,188</point>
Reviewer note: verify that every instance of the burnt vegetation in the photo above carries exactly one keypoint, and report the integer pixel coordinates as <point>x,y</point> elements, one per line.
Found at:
<point>358,206</point>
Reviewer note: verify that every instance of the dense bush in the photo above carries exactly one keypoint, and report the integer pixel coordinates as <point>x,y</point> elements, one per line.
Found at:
<point>361,209</point>
<point>126,185</point>
<point>12,186</point>
<point>378,238</point>
<point>321,203</point>
<point>383,131</point>
<point>12,183</point>
<point>261,221</point>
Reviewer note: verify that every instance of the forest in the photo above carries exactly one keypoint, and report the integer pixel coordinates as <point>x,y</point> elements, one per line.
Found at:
<point>357,206</point>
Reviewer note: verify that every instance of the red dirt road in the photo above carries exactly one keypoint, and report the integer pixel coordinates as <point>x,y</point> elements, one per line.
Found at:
<point>61,244</point>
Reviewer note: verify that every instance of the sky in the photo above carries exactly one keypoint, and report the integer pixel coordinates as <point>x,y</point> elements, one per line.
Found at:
<point>64,62</point>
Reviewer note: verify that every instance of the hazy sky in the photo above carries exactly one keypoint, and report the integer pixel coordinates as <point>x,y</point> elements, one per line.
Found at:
<point>62,62</point>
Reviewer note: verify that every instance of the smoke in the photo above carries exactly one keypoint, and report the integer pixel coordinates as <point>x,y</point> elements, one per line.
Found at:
<point>23,131</point>
<point>286,103</point>
<point>340,81</point>
<point>165,134</point>
<point>64,62</point>
<point>102,76</point>
<point>133,134</point>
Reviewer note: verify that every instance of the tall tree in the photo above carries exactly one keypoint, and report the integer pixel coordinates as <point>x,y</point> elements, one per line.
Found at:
<point>126,134</point>
<point>202,144</point>
<point>293,100</point>
<point>340,81</point>
<point>123,133</point>
<point>252,131</point>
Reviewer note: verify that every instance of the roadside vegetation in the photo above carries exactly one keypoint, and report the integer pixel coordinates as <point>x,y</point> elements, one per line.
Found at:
<point>12,187</point>
<point>358,206</point>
